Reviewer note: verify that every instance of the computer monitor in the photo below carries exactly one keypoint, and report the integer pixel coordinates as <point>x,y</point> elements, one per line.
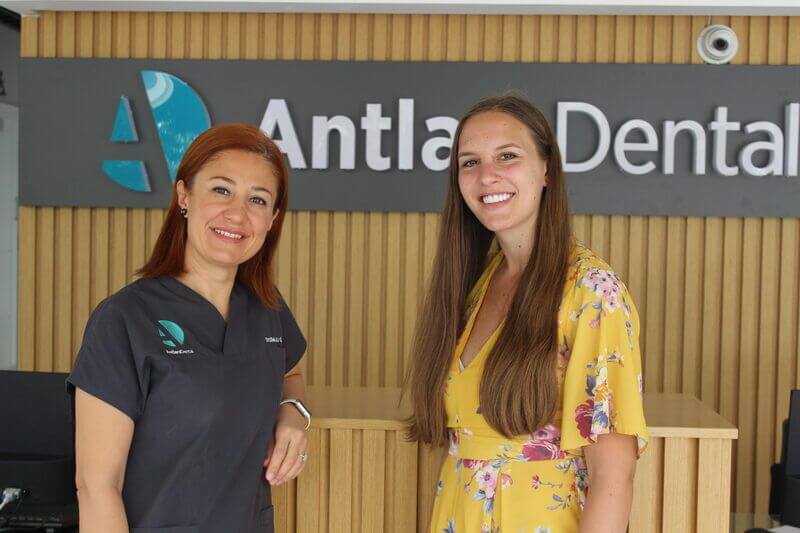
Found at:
<point>35,413</point>
<point>37,458</point>
<point>785,490</point>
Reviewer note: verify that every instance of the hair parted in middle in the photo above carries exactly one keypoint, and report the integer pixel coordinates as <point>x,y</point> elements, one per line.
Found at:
<point>518,389</point>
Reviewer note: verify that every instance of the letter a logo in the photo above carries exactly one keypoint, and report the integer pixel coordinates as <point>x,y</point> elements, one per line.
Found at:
<point>180,116</point>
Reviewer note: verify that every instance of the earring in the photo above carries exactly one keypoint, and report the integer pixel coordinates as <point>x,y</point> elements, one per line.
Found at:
<point>183,212</point>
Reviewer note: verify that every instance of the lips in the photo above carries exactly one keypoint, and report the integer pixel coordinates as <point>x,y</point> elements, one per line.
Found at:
<point>496,198</point>
<point>228,234</point>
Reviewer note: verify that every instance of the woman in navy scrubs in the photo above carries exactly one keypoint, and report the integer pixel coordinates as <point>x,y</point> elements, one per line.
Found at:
<point>186,385</point>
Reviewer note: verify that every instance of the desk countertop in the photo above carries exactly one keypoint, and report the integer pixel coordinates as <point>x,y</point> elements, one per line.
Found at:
<point>667,414</point>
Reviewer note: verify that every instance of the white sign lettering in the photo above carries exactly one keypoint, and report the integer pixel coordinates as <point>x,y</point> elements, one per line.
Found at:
<point>777,146</point>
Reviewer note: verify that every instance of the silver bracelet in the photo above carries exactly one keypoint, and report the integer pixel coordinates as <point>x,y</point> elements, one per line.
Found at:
<point>300,407</point>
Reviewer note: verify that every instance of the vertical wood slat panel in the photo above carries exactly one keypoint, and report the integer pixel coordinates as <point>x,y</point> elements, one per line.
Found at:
<point>393,290</point>
<point>339,298</point>
<point>44,244</point>
<point>319,335</point>
<point>692,314</point>
<point>748,363</point>
<point>311,485</point>
<point>729,343</point>
<point>713,473</point>
<point>373,478</point>
<point>81,267</point>
<point>648,490</point>
<point>403,490</point>
<point>341,480</point>
<point>429,461</point>
<point>357,319</point>
<point>301,293</point>
<point>62,291</point>
<point>767,353</point>
<point>680,475</point>
<point>711,279</point>
<point>375,283</point>
<point>673,305</point>
<point>370,486</point>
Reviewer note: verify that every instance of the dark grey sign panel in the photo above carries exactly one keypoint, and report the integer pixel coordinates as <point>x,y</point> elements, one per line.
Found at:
<point>744,122</point>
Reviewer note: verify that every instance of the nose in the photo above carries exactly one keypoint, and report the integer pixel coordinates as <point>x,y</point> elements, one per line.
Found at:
<point>235,212</point>
<point>489,173</point>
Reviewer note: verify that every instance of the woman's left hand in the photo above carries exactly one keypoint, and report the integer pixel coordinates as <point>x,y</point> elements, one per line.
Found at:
<point>288,452</point>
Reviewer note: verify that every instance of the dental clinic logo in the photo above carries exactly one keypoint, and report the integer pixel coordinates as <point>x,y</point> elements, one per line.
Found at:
<point>172,337</point>
<point>180,116</point>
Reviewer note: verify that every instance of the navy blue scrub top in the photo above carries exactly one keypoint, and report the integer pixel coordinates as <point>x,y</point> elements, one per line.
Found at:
<point>203,395</point>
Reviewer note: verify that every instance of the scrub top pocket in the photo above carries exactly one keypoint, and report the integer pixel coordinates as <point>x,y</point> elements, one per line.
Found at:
<point>277,357</point>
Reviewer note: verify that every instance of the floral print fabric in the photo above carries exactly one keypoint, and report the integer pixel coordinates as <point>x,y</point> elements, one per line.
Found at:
<point>537,483</point>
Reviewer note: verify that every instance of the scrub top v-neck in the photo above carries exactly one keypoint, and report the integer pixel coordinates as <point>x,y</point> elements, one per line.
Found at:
<point>203,394</point>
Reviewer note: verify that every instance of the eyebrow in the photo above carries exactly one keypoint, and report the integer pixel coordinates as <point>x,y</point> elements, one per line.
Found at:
<point>509,145</point>
<point>503,147</point>
<point>233,182</point>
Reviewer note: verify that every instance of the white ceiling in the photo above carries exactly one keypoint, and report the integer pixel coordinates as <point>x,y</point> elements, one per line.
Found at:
<point>563,7</point>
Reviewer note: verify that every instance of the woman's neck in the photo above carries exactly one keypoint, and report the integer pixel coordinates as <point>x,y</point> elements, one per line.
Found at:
<point>213,284</point>
<point>517,246</point>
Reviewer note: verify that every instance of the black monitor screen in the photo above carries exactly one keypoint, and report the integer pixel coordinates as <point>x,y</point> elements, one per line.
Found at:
<point>35,413</point>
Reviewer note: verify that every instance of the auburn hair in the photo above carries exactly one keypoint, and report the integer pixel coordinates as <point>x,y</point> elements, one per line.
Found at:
<point>518,389</point>
<point>256,273</point>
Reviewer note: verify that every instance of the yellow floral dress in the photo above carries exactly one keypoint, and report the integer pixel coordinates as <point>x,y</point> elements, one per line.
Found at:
<point>537,483</point>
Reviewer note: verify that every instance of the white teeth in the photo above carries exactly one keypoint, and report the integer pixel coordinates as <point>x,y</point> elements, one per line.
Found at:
<point>494,198</point>
<point>227,234</point>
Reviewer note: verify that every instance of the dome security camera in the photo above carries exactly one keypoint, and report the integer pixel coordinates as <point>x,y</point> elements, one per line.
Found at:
<point>717,44</point>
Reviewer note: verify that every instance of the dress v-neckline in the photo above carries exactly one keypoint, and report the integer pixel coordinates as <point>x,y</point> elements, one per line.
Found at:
<point>462,344</point>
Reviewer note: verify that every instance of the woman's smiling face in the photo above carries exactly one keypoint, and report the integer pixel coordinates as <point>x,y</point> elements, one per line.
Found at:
<point>230,208</point>
<point>501,174</point>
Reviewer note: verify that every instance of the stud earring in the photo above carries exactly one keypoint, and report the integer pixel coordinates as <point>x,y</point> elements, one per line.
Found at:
<point>183,212</point>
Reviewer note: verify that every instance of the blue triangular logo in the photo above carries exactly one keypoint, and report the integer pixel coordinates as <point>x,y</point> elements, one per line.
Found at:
<point>124,130</point>
<point>131,174</point>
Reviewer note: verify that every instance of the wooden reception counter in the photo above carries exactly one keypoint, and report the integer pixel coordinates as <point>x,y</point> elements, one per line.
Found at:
<point>362,476</point>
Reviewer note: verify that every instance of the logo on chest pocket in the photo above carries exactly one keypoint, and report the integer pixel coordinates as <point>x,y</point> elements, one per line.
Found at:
<point>172,336</point>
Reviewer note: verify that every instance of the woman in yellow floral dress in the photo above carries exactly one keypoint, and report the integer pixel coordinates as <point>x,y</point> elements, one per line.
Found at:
<point>526,358</point>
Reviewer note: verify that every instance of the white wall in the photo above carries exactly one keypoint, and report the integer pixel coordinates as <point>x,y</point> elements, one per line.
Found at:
<point>9,179</point>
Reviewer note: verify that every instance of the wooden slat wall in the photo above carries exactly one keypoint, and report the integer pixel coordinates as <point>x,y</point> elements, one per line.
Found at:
<point>362,480</point>
<point>718,296</point>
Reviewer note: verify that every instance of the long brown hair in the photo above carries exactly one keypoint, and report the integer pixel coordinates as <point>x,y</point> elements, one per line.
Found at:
<point>518,390</point>
<point>256,274</point>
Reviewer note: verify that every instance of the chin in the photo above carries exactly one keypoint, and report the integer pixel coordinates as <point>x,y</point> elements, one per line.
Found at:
<point>495,225</point>
<point>227,260</point>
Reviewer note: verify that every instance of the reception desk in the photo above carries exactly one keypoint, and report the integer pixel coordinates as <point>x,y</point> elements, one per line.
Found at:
<point>362,475</point>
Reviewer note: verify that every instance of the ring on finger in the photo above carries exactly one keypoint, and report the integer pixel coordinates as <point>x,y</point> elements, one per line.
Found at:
<point>303,457</point>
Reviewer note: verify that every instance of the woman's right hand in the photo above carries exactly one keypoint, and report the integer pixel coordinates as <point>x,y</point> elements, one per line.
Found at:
<point>102,440</point>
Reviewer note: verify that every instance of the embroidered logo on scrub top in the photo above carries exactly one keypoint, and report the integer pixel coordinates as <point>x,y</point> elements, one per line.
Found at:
<point>172,337</point>
<point>275,340</point>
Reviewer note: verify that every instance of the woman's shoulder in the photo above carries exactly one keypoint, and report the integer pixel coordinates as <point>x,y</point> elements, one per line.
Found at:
<point>119,304</point>
<point>585,262</point>
<point>589,273</point>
